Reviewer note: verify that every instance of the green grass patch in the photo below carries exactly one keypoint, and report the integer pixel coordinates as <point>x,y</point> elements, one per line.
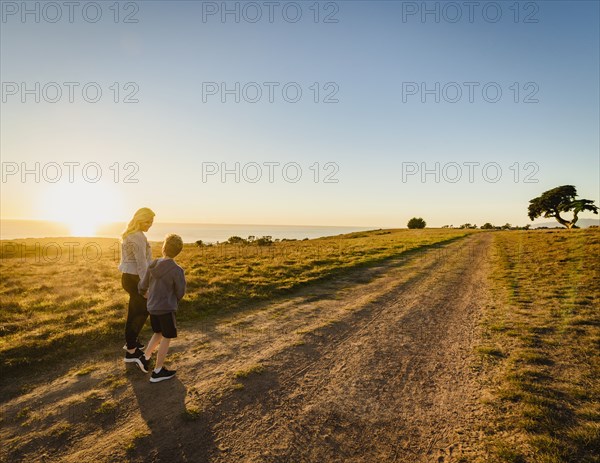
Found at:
<point>252,370</point>
<point>545,390</point>
<point>106,407</point>
<point>191,413</point>
<point>486,351</point>
<point>86,370</point>
<point>114,381</point>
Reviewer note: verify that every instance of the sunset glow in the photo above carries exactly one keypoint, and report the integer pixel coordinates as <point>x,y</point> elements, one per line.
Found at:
<point>83,208</point>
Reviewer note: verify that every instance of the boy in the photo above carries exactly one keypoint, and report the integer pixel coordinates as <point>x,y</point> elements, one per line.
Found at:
<point>164,286</point>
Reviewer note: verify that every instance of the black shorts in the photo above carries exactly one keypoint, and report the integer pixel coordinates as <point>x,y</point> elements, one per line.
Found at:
<point>164,324</point>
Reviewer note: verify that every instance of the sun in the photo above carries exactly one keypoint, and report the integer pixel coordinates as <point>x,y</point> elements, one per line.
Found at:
<point>82,229</point>
<point>81,207</point>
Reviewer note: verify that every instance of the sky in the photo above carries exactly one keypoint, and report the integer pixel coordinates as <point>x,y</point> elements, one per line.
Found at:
<point>347,113</point>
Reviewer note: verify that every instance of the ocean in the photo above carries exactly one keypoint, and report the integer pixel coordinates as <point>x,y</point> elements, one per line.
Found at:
<point>190,232</point>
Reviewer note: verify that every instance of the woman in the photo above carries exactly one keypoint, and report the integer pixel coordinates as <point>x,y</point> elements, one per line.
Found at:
<point>136,255</point>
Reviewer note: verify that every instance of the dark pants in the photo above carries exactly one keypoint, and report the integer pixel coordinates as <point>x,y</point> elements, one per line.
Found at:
<point>137,312</point>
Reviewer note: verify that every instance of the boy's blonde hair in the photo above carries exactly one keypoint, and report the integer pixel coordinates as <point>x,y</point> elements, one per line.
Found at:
<point>173,245</point>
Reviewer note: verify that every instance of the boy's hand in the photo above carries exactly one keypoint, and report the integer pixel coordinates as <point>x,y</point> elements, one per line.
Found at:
<point>145,295</point>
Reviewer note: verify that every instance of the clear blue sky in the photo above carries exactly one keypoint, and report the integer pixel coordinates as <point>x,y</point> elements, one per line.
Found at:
<point>369,53</point>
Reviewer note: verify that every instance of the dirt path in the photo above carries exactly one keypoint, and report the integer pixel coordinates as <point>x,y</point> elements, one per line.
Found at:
<point>375,367</point>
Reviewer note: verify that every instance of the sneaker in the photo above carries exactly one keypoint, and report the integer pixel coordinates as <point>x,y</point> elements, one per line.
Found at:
<point>138,358</point>
<point>138,345</point>
<point>162,375</point>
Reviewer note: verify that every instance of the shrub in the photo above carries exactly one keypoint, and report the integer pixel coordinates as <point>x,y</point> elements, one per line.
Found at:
<point>236,240</point>
<point>416,222</point>
<point>264,241</point>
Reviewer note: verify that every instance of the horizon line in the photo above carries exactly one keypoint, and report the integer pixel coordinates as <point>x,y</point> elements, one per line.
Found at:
<point>207,223</point>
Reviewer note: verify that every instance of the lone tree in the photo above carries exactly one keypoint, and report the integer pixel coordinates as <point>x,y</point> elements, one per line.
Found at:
<point>560,199</point>
<point>416,222</point>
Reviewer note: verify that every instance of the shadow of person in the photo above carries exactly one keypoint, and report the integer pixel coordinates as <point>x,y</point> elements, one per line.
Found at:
<point>162,406</point>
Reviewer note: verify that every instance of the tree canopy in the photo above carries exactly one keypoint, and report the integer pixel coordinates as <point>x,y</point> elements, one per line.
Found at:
<point>560,199</point>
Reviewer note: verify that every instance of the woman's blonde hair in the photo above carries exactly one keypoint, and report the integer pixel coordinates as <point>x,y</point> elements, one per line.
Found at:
<point>141,215</point>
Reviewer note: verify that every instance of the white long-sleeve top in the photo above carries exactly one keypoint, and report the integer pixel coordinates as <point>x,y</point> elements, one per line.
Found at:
<point>136,254</point>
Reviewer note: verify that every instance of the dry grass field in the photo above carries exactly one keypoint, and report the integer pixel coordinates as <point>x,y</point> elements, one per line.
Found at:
<point>59,295</point>
<point>391,345</point>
